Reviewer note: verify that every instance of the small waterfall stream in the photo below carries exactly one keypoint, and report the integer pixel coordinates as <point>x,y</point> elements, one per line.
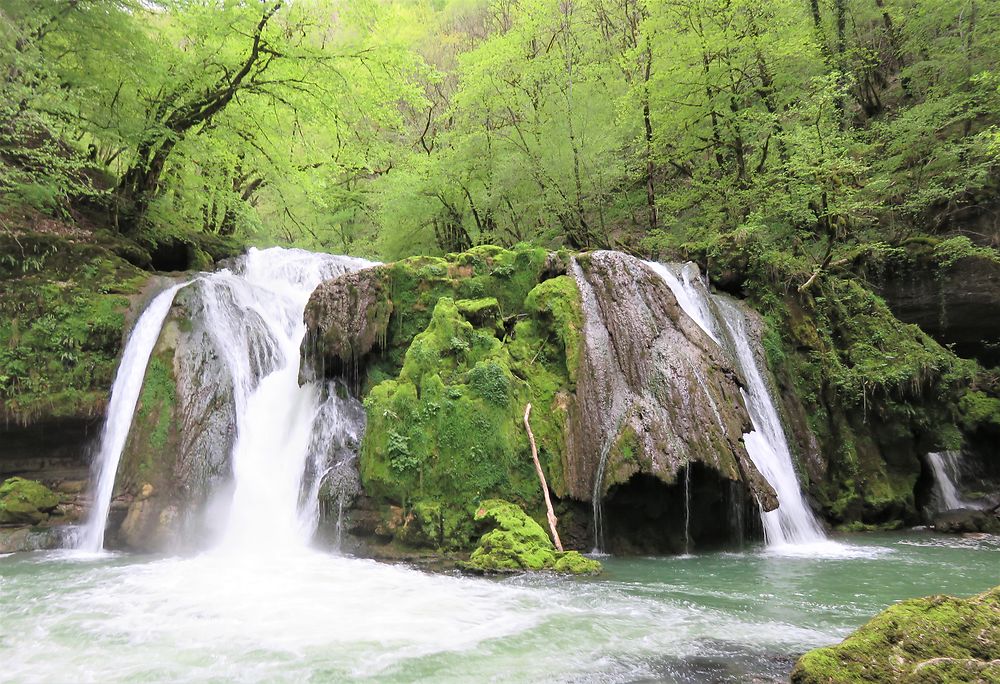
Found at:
<point>792,522</point>
<point>255,313</point>
<point>947,471</point>
<point>124,397</point>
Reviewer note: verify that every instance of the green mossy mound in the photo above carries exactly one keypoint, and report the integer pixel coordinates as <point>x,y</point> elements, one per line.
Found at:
<point>25,502</point>
<point>518,543</point>
<point>934,639</point>
<point>470,341</point>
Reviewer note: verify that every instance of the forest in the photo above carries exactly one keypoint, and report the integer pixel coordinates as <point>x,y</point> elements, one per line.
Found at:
<point>813,134</point>
<point>677,319</point>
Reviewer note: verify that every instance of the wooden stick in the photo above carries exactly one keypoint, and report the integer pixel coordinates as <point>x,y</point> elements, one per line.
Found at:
<point>541,477</point>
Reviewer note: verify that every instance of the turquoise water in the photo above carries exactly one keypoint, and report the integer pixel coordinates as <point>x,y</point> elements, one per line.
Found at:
<point>311,616</point>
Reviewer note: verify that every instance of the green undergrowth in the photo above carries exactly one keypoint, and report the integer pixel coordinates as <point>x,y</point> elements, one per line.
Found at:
<point>471,341</point>
<point>62,315</point>
<point>517,543</point>
<point>934,639</point>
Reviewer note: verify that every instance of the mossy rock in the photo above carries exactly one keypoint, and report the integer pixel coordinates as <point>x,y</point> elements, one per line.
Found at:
<point>445,401</point>
<point>25,502</point>
<point>518,543</point>
<point>933,639</point>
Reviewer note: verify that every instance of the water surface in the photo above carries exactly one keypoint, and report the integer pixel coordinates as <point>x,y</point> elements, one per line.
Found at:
<point>311,616</point>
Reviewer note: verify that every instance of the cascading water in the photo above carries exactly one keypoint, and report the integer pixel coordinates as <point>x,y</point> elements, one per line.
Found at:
<point>257,326</point>
<point>255,316</point>
<point>946,468</point>
<point>124,397</point>
<point>792,522</point>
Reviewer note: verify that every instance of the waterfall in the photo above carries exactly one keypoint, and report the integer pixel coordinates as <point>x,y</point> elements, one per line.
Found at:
<point>947,471</point>
<point>124,397</point>
<point>254,311</point>
<point>792,522</point>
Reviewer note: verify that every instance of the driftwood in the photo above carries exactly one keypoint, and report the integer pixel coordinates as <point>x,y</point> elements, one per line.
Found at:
<point>541,478</point>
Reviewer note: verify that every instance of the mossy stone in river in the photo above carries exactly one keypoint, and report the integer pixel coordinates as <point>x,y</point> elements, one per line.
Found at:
<point>518,543</point>
<point>25,501</point>
<point>933,639</point>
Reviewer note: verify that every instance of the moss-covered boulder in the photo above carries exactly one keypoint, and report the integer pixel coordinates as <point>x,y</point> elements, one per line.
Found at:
<point>934,639</point>
<point>25,502</point>
<point>448,351</point>
<point>517,543</point>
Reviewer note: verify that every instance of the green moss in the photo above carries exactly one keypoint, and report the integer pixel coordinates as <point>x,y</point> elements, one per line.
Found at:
<point>157,400</point>
<point>517,543</point>
<point>897,644</point>
<point>62,312</point>
<point>978,410</point>
<point>445,401</point>
<point>25,501</point>
<point>875,392</point>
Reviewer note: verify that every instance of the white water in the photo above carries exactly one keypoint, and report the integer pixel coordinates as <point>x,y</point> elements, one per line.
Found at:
<point>255,317</point>
<point>792,523</point>
<point>945,465</point>
<point>274,416</point>
<point>124,396</point>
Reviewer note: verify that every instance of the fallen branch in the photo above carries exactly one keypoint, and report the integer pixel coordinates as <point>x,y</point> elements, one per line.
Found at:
<point>541,478</point>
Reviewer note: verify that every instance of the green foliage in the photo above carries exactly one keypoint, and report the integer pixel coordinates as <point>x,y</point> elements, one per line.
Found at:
<point>61,324</point>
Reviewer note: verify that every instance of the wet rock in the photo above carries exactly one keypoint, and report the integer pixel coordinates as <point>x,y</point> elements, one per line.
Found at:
<point>654,392</point>
<point>967,520</point>
<point>959,305</point>
<point>347,318</point>
<point>182,435</point>
<point>18,539</point>
<point>933,639</point>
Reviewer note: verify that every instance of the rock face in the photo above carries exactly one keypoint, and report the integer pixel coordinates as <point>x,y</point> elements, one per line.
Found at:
<point>934,639</point>
<point>449,351</point>
<point>654,393</point>
<point>958,305</point>
<point>351,315</point>
<point>182,433</point>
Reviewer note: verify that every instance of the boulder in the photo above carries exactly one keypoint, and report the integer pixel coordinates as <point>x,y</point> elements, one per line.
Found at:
<point>182,434</point>
<point>25,502</point>
<point>933,639</point>
<point>517,544</point>
<point>654,392</point>
<point>967,520</point>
